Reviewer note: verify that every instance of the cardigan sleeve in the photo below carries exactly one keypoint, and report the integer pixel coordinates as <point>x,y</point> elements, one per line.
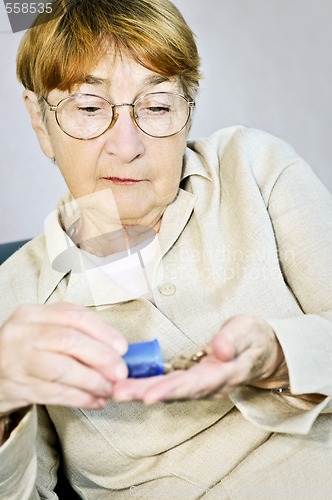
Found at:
<point>19,462</point>
<point>31,441</point>
<point>300,208</point>
<point>301,211</point>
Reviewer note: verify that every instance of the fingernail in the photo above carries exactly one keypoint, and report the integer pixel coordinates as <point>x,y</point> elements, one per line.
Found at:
<point>121,371</point>
<point>120,346</point>
<point>152,400</point>
<point>101,402</point>
<point>123,398</point>
<point>108,388</point>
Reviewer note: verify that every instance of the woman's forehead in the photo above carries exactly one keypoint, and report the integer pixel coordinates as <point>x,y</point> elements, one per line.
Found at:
<point>118,72</point>
<point>113,66</point>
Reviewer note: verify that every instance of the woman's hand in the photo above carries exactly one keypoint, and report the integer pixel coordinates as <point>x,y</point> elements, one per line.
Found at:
<point>244,352</point>
<point>58,354</point>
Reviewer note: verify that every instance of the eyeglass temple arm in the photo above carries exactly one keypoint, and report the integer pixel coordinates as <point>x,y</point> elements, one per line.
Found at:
<point>50,107</point>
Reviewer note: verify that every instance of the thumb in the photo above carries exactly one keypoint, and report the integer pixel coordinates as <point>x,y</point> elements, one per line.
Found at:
<point>234,337</point>
<point>222,347</point>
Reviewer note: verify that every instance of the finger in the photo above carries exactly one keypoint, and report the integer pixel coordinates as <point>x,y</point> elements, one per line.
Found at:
<point>223,347</point>
<point>197,382</point>
<point>254,341</point>
<point>231,340</point>
<point>53,393</point>
<point>134,389</point>
<point>69,372</point>
<point>76,317</point>
<point>77,345</point>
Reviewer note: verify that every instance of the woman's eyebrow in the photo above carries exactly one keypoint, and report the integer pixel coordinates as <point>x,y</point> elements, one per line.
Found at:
<point>149,81</point>
<point>96,80</point>
<point>153,80</point>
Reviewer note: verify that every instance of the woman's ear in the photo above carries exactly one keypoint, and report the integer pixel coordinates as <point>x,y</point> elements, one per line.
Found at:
<point>37,122</point>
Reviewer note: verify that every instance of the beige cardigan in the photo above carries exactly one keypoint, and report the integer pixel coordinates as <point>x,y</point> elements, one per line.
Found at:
<point>249,232</point>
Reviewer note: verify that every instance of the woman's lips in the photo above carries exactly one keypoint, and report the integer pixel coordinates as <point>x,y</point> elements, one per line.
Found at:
<point>122,181</point>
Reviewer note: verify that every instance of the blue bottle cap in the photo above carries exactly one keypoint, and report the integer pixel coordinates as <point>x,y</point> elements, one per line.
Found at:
<point>144,359</point>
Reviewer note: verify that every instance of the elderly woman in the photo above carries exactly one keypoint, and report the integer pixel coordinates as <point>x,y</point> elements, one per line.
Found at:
<point>221,249</point>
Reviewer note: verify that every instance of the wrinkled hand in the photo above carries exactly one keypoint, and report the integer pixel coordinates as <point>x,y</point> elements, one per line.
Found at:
<point>244,352</point>
<point>58,354</point>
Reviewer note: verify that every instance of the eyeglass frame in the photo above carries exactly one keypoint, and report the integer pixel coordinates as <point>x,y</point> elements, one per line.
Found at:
<point>191,106</point>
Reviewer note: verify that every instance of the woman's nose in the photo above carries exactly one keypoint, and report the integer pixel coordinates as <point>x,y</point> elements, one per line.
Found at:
<point>124,139</point>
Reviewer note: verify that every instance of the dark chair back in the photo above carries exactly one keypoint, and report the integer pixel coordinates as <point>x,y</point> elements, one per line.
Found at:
<point>7,249</point>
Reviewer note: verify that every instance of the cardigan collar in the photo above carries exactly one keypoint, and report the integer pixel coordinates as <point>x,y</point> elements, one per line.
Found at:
<point>89,285</point>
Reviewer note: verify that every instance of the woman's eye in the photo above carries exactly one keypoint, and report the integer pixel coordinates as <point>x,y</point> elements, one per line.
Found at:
<point>159,109</point>
<point>89,109</point>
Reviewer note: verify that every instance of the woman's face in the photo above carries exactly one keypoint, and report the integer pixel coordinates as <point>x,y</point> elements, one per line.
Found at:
<point>142,172</point>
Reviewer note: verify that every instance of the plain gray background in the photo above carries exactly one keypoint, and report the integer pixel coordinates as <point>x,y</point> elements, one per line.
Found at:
<point>266,64</point>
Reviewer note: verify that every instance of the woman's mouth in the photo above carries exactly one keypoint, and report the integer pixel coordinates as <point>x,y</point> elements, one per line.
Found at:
<point>122,181</point>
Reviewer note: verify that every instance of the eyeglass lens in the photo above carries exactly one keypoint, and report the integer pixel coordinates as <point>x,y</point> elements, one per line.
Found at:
<point>85,116</point>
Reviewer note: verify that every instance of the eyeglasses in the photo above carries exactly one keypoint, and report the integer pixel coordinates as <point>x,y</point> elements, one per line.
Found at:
<point>158,114</point>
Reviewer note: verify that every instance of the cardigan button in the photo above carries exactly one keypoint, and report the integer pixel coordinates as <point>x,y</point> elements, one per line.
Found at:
<point>167,289</point>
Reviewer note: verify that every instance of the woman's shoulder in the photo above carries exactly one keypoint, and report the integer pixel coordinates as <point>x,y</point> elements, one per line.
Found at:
<point>242,152</point>
<point>249,141</point>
